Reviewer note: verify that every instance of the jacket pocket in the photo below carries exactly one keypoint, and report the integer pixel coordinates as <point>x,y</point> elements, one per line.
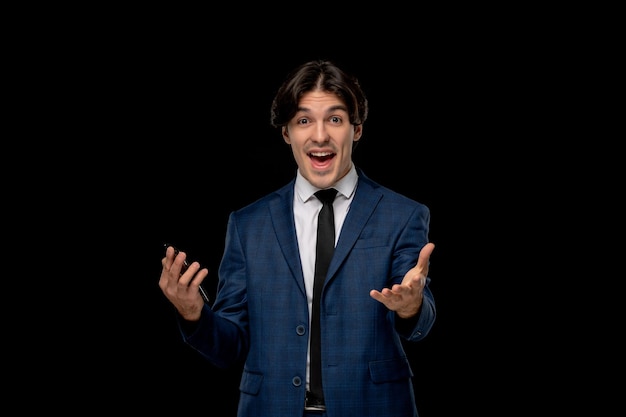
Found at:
<point>250,382</point>
<point>390,370</point>
<point>372,242</point>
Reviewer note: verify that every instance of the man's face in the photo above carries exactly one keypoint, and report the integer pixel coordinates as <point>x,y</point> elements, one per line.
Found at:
<point>321,138</point>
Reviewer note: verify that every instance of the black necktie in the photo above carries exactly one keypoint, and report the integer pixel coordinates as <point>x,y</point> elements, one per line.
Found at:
<point>323,255</point>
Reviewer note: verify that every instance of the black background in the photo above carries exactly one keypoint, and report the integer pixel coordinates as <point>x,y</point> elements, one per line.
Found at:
<point>209,150</point>
<point>176,136</point>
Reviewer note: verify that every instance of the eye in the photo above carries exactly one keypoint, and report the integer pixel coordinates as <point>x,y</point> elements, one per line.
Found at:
<point>303,121</point>
<point>335,119</point>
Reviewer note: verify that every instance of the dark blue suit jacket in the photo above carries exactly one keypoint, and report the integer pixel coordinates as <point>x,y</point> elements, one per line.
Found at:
<point>260,314</point>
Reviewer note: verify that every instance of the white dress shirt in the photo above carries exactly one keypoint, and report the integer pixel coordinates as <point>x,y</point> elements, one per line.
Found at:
<point>306,208</point>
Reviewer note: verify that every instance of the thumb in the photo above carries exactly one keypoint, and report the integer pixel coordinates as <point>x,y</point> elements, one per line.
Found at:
<point>424,257</point>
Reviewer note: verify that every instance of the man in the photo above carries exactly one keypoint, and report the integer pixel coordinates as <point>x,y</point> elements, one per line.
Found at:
<point>375,292</point>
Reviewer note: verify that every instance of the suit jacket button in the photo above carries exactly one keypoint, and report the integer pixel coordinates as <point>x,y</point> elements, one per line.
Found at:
<point>300,330</point>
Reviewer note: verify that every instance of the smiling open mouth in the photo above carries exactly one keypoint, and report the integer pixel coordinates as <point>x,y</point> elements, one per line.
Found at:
<point>321,156</point>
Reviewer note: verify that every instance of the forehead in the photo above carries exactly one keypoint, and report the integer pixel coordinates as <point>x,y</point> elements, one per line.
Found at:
<point>320,100</point>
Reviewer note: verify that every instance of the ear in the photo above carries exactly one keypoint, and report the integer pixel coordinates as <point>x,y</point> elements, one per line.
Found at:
<point>285,134</point>
<point>358,131</point>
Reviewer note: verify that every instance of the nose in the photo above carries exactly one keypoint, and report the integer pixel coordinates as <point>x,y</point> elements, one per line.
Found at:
<point>320,134</point>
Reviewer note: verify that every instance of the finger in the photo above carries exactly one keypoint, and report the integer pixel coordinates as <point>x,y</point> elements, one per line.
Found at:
<point>376,295</point>
<point>173,266</point>
<point>424,256</point>
<point>381,296</point>
<point>189,273</point>
<point>168,258</point>
<point>179,264</point>
<point>400,288</point>
<point>199,276</point>
<point>418,283</point>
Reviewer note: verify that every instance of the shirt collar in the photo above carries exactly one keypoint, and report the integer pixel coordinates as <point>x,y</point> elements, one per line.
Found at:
<point>345,186</point>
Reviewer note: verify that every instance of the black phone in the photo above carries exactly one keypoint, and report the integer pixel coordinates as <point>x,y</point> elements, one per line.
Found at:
<point>186,264</point>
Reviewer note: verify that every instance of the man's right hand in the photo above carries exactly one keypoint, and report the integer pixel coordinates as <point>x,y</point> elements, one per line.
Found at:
<point>182,289</point>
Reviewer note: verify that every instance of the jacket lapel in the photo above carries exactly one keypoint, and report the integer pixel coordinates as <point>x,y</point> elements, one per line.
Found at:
<point>366,198</point>
<point>281,210</point>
